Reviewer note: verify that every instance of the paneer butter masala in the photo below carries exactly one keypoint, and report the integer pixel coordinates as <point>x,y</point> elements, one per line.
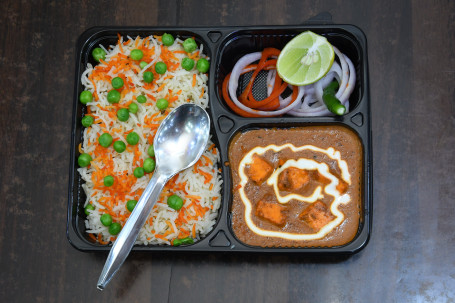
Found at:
<point>297,187</point>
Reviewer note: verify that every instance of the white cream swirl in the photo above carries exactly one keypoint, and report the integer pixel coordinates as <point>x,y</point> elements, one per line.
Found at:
<point>301,163</point>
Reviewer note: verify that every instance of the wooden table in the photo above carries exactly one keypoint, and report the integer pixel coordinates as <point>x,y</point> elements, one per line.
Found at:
<point>410,256</point>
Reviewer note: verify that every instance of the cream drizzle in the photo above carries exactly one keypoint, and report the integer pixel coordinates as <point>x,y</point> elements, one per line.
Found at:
<point>301,163</point>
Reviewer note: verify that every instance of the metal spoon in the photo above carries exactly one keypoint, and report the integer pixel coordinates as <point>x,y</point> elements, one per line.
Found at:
<point>179,142</point>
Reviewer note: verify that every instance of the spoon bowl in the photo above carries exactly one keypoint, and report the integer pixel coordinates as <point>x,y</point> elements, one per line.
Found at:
<point>179,142</point>
<point>181,138</point>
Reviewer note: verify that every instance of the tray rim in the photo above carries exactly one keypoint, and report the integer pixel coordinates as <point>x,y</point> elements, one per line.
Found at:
<point>354,246</point>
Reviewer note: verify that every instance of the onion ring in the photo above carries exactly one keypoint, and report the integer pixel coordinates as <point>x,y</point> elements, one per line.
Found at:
<point>232,84</point>
<point>304,100</point>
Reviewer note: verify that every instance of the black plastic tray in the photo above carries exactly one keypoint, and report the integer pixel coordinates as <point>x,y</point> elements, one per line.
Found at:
<point>225,46</point>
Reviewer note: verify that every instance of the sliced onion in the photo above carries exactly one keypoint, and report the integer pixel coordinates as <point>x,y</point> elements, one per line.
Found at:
<point>233,85</point>
<point>309,100</point>
<point>351,83</point>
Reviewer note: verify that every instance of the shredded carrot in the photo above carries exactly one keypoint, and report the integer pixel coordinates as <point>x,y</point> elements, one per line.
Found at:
<point>136,43</point>
<point>207,176</point>
<point>194,55</point>
<point>194,230</point>
<point>194,80</point>
<point>161,87</point>
<point>193,197</point>
<point>136,68</point>
<point>92,236</point>
<point>183,233</point>
<point>173,98</point>
<point>207,159</point>
<point>161,237</point>
<point>100,240</point>
<point>171,228</point>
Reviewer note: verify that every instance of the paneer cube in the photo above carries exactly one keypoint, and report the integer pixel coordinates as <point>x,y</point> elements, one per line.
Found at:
<point>271,212</point>
<point>293,178</point>
<point>317,215</point>
<point>342,186</point>
<point>259,170</point>
<point>320,178</point>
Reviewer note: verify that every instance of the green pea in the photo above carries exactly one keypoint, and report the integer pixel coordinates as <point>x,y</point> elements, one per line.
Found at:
<point>113,96</point>
<point>87,121</point>
<point>117,82</point>
<point>184,241</point>
<point>98,53</point>
<point>162,104</point>
<point>160,68</point>
<point>133,108</point>
<point>143,64</point>
<point>167,39</point>
<point>85,97</point>
<point>148,77</point>
<point>106,219</point>
<point>84,160</point>
<point>119,146</point>
<point>132,138</point>
<point>87,208</point>
<point>115,228</point>
<point>108,181</point>
<point>187,63</point>
<point>136,54</point>
<point>151,151</point>
<point>149,165</point>
<point>203,65</point>
<point>123,114</point>
<point>138,172</point>
<point>141,99</point>
<point>131,204</point>
<point>189,45</point>
<point>175,202</point>
<point>105,140</point>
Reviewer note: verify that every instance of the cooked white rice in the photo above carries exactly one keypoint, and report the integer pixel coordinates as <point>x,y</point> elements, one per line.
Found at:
<point>199,186</point>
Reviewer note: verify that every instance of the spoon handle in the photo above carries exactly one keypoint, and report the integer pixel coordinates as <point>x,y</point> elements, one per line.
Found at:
<point>127,237</point>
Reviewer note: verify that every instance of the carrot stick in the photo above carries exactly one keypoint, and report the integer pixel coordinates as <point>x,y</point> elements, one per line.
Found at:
<point>161,237</point>
<point>202,93</point>
<point>161,87</point>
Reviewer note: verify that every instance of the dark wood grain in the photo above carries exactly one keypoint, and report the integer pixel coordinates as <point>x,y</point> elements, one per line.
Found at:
<point>410,257</point>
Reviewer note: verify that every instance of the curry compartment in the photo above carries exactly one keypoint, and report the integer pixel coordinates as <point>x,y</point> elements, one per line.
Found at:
<point>285,173</point>
<point>224,46</point>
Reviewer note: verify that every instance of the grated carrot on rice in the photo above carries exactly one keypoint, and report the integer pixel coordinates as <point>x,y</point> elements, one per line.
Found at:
<point>178,87</point>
